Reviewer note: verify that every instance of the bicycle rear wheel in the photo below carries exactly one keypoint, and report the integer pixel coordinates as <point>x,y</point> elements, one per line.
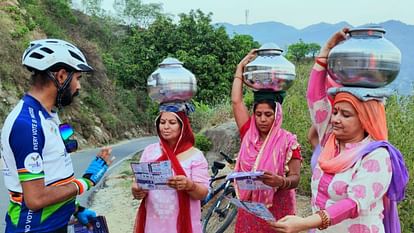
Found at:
<point>221,214</point>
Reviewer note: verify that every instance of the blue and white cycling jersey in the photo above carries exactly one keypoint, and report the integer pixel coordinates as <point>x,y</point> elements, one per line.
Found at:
<point>32,148</point>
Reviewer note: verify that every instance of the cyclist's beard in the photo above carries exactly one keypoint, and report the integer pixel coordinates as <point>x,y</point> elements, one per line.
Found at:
<point>66,97</point>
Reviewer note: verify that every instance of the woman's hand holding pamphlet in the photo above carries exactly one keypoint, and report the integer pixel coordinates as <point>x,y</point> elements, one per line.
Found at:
<point>248,180</point>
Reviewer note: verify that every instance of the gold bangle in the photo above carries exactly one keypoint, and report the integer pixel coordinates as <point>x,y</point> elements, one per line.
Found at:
<point>326,222</point>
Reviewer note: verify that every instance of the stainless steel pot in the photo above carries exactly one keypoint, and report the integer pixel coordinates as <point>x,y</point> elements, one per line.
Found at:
<point>269,70</point>
<point>365,59</point>
<point>171,82</point>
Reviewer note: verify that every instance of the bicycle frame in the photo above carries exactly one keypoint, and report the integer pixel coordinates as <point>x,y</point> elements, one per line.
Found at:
<point>223,186</point>
<point>214,191</point>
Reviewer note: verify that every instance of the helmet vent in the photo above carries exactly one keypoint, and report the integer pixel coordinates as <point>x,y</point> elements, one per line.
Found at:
<point>71,46</point>
<point>47,50</point>
<point>76,56</point>
<point>37,55</point>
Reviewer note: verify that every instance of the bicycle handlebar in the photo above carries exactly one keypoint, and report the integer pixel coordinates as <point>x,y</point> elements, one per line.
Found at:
<point>227,158</point>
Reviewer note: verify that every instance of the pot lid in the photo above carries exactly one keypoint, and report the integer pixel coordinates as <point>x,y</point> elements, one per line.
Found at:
<point>269,49</point>
<point>170,61</point>
<point>367,30</point>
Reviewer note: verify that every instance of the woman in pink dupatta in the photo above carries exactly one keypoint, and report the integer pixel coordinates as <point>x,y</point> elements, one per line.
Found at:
<point>265,147</point>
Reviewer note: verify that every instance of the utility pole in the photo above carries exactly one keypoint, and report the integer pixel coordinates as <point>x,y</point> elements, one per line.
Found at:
<point>246,15</point>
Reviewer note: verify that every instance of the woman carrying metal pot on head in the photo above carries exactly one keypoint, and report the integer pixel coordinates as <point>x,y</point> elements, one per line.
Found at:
<point>359,176</point>
<point>176,210</point>
<point>265,147</point>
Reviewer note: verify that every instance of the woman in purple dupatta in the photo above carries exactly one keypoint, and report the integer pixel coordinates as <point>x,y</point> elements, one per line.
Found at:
<point>265,147</point>
<point>358,176</point>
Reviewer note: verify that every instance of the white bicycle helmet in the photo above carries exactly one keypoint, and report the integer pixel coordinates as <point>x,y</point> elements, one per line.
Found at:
<point>47,54</point>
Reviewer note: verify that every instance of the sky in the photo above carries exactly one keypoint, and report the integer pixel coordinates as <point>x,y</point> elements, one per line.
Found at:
<point>296,13</point>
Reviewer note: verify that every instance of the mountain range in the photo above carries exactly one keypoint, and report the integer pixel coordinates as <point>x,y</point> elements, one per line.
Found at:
<point>399,33</point>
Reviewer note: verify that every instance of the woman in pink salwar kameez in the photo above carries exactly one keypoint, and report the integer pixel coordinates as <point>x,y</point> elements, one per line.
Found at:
<point>265,147</point>
<point>177,210</point>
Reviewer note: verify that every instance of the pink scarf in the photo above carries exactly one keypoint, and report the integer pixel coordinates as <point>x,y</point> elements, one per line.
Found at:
<point>269,155</point>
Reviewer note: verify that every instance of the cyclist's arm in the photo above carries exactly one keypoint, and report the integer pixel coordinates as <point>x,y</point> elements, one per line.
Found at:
<point>37,196</point>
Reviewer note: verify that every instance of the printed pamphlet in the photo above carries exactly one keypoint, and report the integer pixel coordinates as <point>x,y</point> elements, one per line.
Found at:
<point>248,180</point>
<point>152,175</point>
<point>258,209</point>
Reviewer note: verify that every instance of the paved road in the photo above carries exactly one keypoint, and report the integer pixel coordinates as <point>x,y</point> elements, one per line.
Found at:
<point>81,160</point>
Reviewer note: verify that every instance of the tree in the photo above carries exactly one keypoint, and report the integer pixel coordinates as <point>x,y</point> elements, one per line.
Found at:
<point>137,13</point>
<point>313,49</point>
<point>297,51</point>
<point>205,50</point>
<point>92,7</point>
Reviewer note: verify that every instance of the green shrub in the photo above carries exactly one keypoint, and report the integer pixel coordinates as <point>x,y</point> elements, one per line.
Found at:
<point>400,112</point>
<point>49,15</point>
<point>202,142</point>
<point>206,116</point>
<point>200,116</point>
<point>22,23</point>
<point>248,98</point>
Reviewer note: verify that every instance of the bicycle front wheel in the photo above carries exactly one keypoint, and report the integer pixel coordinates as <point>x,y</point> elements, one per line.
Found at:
<point>221,214</point>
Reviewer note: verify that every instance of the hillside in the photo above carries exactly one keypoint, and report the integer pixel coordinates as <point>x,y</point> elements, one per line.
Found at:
<point>98,115</point>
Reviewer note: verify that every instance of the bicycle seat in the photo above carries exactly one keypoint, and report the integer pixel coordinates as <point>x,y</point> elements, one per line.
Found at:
<point>219,165</point>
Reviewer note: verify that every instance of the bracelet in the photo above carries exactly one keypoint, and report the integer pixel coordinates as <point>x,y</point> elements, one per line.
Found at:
<point>326,222</point>
<point>238,77</point>
<point>77,188</point>
<point>82,185</point>
<point>289,184</point>
<point>321,63</point>
<point>286,183</point>
<point>283,183</point>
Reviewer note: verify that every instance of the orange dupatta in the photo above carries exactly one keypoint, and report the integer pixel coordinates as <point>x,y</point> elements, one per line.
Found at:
<point>372,116</point>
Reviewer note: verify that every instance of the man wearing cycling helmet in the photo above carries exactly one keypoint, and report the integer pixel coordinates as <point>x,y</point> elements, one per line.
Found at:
<point>38,169</point>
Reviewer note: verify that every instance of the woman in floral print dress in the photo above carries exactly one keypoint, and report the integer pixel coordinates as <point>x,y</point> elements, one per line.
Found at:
<point>359,176</point>
<point>177,210</point>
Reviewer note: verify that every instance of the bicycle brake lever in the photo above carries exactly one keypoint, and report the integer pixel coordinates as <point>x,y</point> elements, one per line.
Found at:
<point>227,158</point>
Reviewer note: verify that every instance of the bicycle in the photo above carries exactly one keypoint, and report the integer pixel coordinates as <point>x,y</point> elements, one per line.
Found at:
<point>222,209</point>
